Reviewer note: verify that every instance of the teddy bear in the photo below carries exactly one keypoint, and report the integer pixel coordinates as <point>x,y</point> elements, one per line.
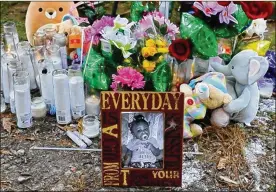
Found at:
<point>46,13</point>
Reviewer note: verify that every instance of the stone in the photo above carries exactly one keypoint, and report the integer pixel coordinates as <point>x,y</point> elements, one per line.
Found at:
<point>22,179</point>
<point>20,152</point>
<point>97,169</point>
<point>58,187</point>
<point>67,173</point>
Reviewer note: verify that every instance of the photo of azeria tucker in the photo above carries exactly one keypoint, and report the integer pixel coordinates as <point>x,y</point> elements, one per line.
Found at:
<point>142,140</point>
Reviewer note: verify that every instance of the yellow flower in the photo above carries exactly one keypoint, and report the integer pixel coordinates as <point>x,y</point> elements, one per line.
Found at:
<point>161,43</point>
<point>149,65</point>
<point>148,51</point>
<point>150,43</point>
<point>163,50</point>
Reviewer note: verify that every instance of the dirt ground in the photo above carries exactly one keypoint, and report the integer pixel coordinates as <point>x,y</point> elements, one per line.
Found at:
<point>23,168</point>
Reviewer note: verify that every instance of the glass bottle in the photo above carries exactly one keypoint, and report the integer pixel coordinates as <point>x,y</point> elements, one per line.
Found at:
<point>22,96</point>
<point>10,27</point>
<point>46,83</point>
<point>61,40</point>
<point>49,33</point>
<point>24,53</point>
<point>52,53</point>
<point>39,38</point>
<point>9,43</point>
<point>76,88</point>
<point>62,96</point>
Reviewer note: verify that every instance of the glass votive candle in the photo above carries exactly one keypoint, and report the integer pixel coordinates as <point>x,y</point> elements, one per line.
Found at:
<point>91,126</point>
<point>53,54</point>
<point>49,34</point>
<point>38,107</point>
<point>39,38</point>
<point>10,27</point>
<point>92,105</point>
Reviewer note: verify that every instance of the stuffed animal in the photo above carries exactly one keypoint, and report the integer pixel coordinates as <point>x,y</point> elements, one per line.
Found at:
<point>46,13</point>
<point>243,71</point>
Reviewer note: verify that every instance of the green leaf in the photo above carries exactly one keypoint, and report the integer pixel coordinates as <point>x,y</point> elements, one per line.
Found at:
<point>189,25</point>
<point>163,29</point>
<point>162,77</point>
<point>154,57</point>
<point>156,23</point>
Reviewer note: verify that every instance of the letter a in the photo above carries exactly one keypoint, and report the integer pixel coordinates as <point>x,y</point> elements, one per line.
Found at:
<point>109,130</point>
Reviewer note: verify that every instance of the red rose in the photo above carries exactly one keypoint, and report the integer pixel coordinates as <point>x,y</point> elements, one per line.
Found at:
<point>224,3</point>
<point>180,49</point>
<point>257,9</point>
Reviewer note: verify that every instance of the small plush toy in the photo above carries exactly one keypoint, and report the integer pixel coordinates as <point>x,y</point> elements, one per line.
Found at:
<point>44,14</point>
<point>244,70</point>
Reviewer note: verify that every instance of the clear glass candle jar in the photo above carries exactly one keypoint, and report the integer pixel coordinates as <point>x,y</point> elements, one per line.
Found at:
<point>61,40</point>
<point>22,96</point>
<point>9,43</point>
<point>25,56</point>
<point>49,34</point>
<point>13,66</point>
<point>38,107</point>
<point>10,27</point>
<point>91,126</point>
<point>92,105</point>
<point>39,38</point>
<point>53,53</point>
<point>62,96</point>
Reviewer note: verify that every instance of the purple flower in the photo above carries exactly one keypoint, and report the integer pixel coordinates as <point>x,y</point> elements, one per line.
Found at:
<point>96,28</point>
<point>209,8</point>
<point>226,15</point>
<point>127,77</point>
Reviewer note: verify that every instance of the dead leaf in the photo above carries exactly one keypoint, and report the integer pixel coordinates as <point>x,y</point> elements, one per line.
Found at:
<point>30,138</point>
<point>66,128</point>
<point>5,152</point>
<point>226,179</point>
<point>222,163</point>
<point>7,124</point>
<point>80,128</point>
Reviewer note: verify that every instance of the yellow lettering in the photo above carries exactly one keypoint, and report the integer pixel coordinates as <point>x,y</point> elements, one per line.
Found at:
<point>154,174</point>
<point>114,99</point>
<point>105,100</point>
<point>167,102</point>
<point>153,101</point>
<point>175,174</point>
<point>161,174</point>
<point>125,101</point>
<point>145,99</point>
<point>135,101</point>
<point>111,174</point>
<point>109,130</point>
<point>125,172</point>
<point>168,175</point>
<point>176,100</point>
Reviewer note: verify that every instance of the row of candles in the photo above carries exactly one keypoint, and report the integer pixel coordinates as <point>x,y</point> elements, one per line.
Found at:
<point>44,66</point>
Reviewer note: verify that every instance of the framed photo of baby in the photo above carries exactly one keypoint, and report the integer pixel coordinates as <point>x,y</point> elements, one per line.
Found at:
<point>142,138</point>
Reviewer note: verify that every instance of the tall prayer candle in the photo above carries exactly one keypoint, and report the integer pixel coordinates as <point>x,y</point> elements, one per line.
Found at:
<point>92,105</point>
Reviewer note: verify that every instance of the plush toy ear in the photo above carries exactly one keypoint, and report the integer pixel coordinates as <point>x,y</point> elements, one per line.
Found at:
<point>258,67</point>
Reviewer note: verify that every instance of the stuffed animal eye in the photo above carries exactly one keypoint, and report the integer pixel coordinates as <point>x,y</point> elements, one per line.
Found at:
<point>40,9</point>
<point>60,9</point>
<point>232,67</point>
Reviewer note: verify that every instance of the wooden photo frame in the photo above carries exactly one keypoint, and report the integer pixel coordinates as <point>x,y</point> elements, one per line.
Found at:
<point>142,138</point>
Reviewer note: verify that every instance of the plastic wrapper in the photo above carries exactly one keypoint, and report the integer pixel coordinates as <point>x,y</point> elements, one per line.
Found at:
<point>261,47</point>
<point>95,72</point>
<point>271,72</point>
<point>202,36</point>
<point>136,10</point>
<point>162,77</point>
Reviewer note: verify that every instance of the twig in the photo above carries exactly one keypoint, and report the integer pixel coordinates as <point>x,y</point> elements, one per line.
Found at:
<point>65,149</point>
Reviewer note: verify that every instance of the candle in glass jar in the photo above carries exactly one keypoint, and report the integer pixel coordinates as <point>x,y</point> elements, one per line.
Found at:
<point>76,87</point>
<point>92,105</point>
<point>53,53</point>
<point>38,107</point>
<point>91,126</point>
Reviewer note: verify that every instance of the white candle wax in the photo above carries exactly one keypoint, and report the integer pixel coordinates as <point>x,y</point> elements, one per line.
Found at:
<point>63,54</point>
<point>38,107</point>
<point>57,62</point>
<point>62,98</point>
<point>47,89</point>
<point>77,96</point>
<point>22,98</point>
<point>27,64</point>
<point>92,105</point>
<point>91,126</point>
<point>6,89</point>
<point>12,102</point>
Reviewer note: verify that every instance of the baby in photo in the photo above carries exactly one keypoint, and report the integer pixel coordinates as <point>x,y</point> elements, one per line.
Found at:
<point>142,150</point>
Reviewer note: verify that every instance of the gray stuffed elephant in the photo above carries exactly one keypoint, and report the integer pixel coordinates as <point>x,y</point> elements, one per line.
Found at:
<point>242,73</point>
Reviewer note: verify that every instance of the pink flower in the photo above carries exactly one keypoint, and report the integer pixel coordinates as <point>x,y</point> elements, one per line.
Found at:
<point>127,77</point>
<point>226,15</point>
<point>209,8</point>
<point>96,28</point>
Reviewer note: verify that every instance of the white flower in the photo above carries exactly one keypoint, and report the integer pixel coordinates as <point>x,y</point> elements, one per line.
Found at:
<point>257,26</point>
<point>122,23</point>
